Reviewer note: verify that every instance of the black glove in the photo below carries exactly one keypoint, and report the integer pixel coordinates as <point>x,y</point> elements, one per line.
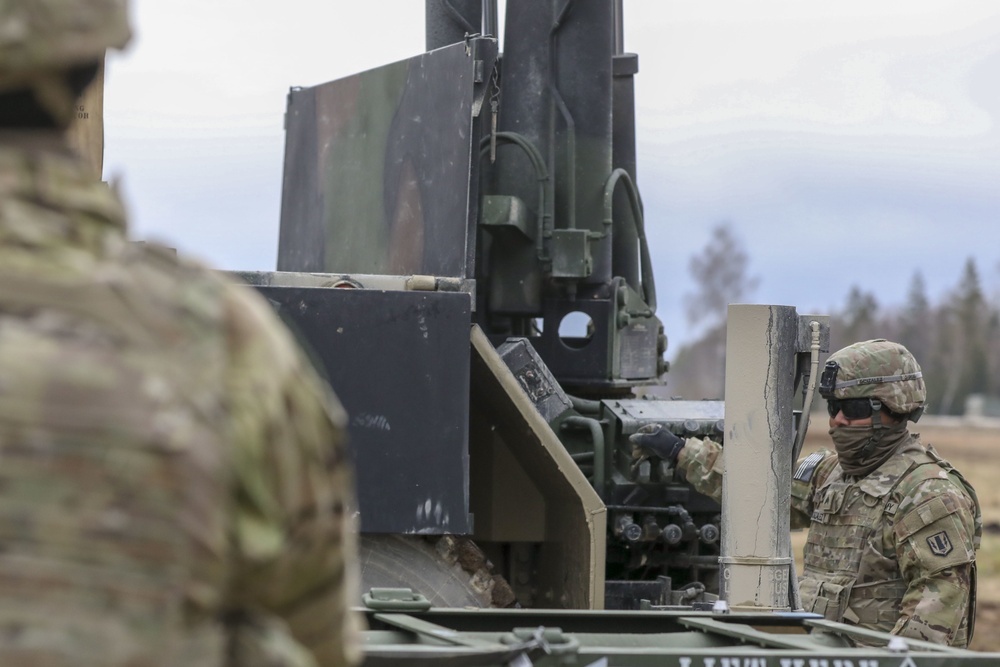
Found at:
<point>655,440</point>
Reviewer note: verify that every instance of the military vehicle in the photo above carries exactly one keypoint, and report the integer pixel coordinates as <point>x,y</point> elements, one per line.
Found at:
<point>463,249</point>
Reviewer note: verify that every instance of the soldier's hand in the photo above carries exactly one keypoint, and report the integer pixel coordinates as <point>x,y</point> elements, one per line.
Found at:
<point>655,440</point>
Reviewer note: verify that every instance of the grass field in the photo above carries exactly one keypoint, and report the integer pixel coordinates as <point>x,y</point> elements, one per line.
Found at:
<point>976,453</point>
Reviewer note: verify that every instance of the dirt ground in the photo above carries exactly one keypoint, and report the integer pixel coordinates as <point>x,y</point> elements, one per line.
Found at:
<point>976,453</point>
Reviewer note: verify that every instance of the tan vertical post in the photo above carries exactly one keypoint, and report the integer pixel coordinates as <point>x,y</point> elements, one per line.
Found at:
<point>760,376</point>
<point>86,132</point>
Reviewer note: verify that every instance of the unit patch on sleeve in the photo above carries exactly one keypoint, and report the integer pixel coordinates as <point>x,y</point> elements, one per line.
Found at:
<point>940,544</point>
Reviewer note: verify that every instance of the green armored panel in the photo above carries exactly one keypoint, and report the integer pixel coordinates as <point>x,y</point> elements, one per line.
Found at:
<point>381,168</point>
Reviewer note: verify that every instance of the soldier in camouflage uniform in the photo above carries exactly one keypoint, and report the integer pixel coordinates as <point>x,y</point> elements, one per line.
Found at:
<point>174,488</point>
<point>893,527</point>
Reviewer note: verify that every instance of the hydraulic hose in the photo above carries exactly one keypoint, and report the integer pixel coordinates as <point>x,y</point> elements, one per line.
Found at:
<point>597,435</point>
<point>545,194</point>
<point>585,406</point>
<point>635,202</point>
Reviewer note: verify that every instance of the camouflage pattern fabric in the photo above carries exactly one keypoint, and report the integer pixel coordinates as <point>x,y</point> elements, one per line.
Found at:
<point>41,39</point>
<point>174,487</point>
<point>868,362</point>
<point>893,551</point>
<point>47,35</point>
<point>702,464</point>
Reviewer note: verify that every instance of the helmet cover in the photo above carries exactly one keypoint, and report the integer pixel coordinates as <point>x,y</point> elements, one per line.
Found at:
<point>877,369</point>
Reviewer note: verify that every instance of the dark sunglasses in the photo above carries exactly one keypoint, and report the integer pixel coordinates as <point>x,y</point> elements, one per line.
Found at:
<point>853,408</point>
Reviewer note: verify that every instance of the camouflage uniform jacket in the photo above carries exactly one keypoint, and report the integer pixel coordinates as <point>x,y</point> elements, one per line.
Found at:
<point>173,488</point>
<point>894,551</point>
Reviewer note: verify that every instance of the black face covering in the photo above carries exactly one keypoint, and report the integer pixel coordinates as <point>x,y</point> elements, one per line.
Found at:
<point>862,449</point>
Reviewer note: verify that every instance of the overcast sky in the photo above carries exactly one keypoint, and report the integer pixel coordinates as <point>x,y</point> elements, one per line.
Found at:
<point>849,143</point>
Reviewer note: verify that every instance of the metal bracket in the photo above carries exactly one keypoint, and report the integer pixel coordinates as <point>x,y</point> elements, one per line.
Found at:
<point>395,599</point>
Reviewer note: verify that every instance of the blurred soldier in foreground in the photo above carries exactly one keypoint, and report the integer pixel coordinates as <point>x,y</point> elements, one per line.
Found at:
<point>893,527</point>
<point>173,489</point>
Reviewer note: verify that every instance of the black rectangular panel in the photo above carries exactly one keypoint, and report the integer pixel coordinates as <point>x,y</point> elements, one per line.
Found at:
<point>399,363</point>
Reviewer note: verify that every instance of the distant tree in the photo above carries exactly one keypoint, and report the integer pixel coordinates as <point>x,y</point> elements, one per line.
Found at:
<point>992,336</point>
<point>721,276</point>
<point>860,317</point>
<point>972,316</point>
<point>942,370</point>
<point>699,369</point>
<point>992,339</point>
<point>994,296</point>
<point>915,322</point>
<point>960,355</point>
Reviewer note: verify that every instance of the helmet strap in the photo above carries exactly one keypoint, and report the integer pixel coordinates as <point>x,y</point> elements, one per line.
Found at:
<point>878,428</point>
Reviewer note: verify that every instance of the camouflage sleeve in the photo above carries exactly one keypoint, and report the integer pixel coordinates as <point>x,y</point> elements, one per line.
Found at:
<point>936,553</point>
<point>808,474</point>
<point>702,464</point>
<point>296,547</point>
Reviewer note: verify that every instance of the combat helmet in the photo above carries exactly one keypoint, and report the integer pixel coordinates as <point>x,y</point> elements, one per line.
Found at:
<point>41,41</point>
<point>879,370</point>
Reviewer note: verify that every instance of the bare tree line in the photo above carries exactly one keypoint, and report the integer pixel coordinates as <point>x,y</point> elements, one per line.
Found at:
<point>956,340</point>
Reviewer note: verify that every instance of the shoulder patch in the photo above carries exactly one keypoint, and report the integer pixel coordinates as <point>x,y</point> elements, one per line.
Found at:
<point>808,466</point>
<point>940,544</point>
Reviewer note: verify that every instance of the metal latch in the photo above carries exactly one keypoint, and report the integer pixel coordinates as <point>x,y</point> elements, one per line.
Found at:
<point>542,641</point>
<point>395,599</point>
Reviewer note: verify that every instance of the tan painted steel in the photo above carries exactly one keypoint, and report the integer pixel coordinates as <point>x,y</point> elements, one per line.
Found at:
<point>525,487</point>
<point>756,554</point>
